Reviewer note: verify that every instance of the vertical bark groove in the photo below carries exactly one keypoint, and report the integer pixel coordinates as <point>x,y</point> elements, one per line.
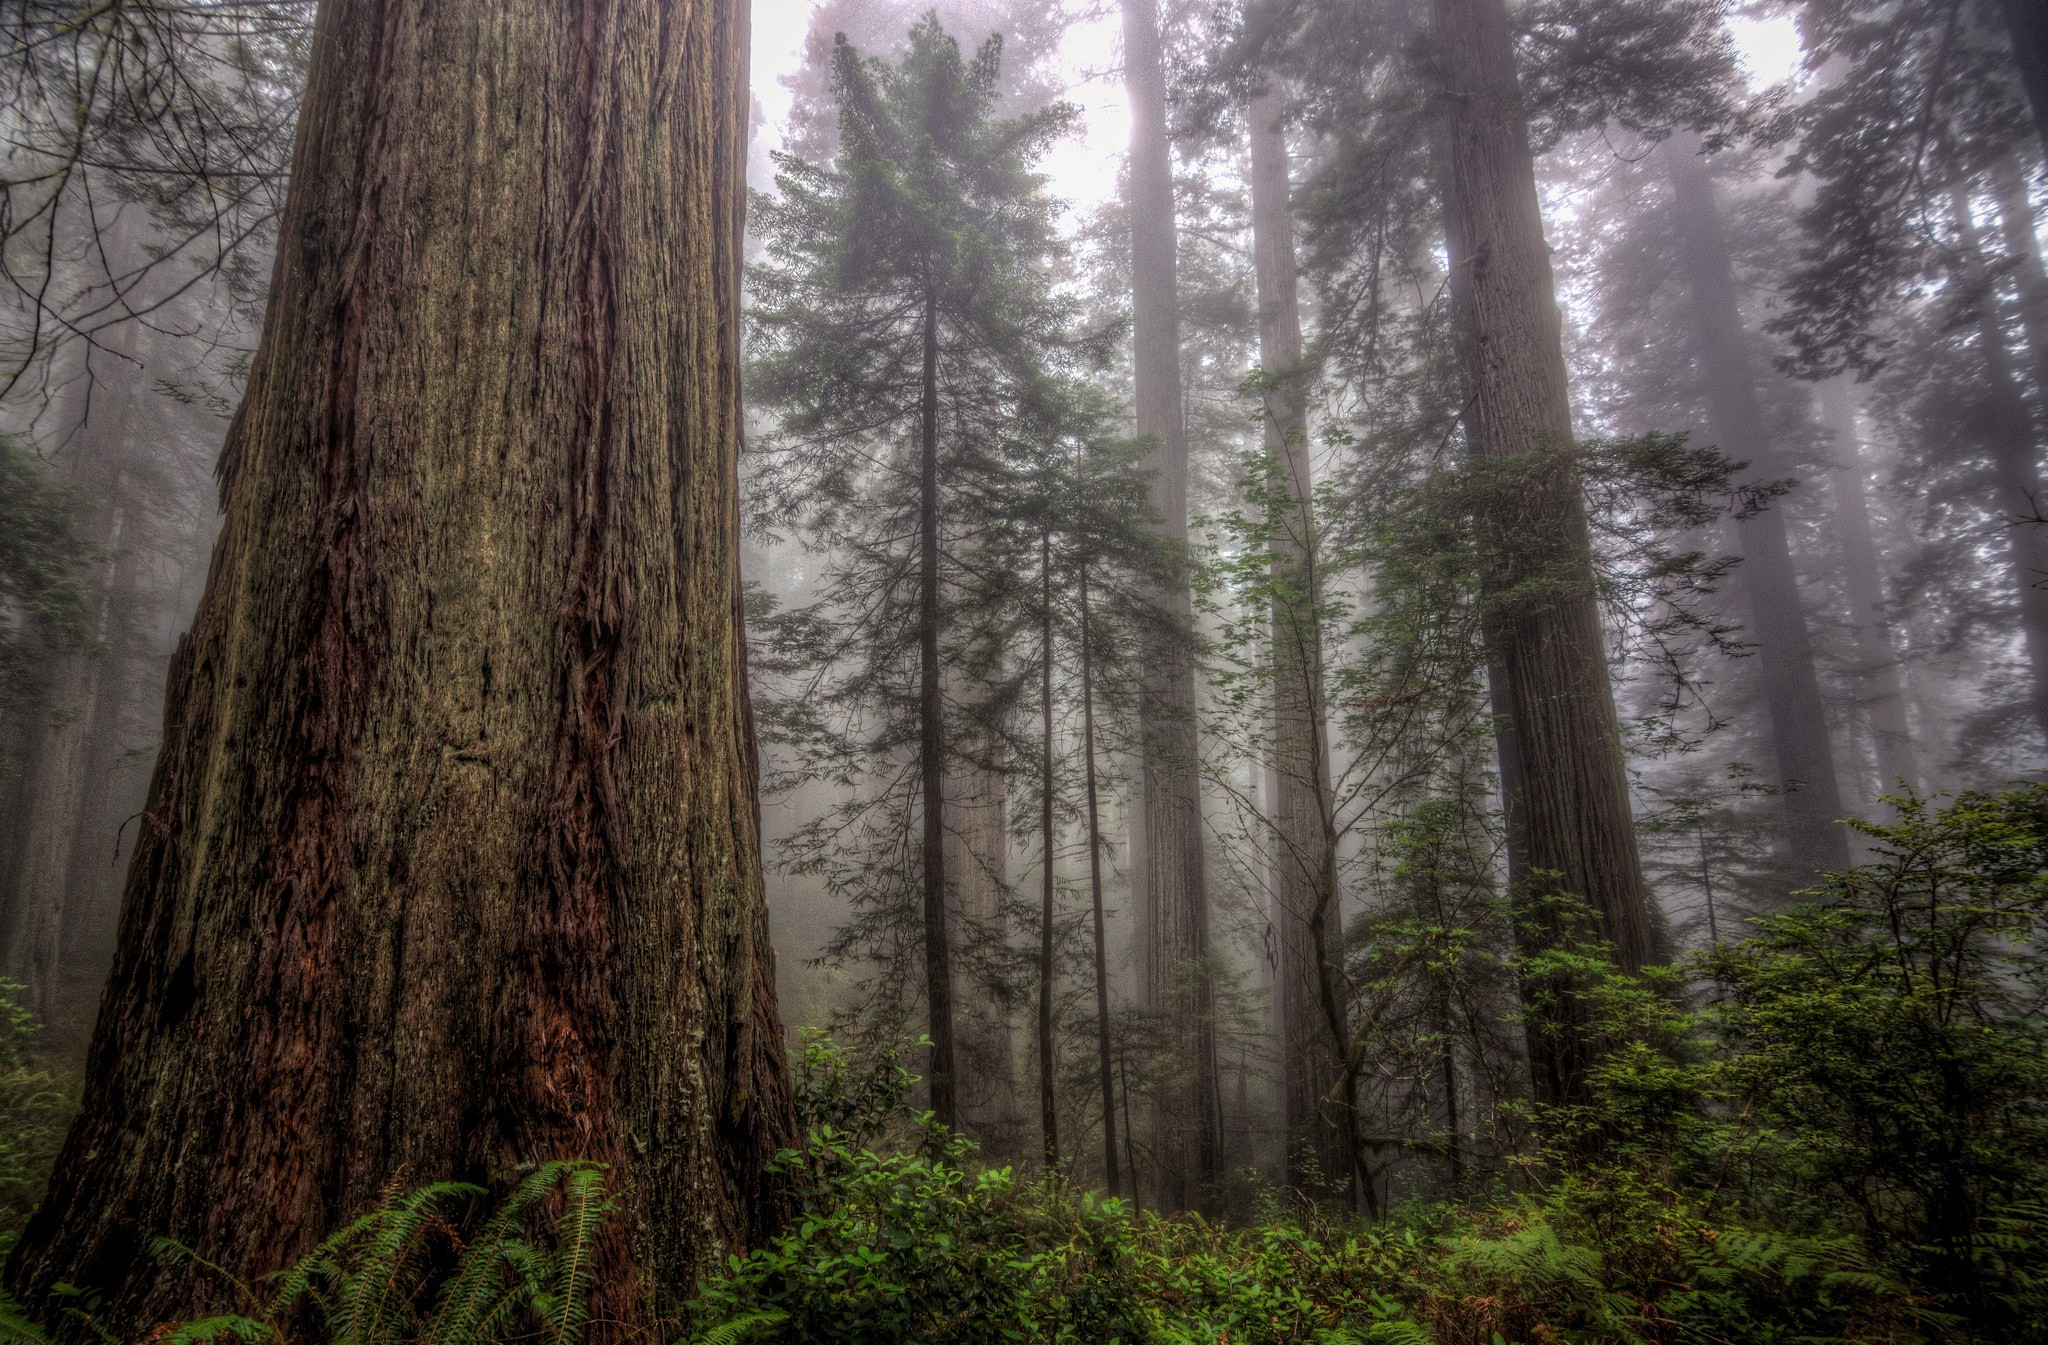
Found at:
<point>451,856</point>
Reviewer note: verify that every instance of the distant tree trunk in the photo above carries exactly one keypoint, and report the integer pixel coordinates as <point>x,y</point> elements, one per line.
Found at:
<point>2015,448</point>
<point>1881,690</point>
<point>977,855</point>
<point>451,859</point>
<point>1105,1073</point>
<point>1811,797</point>
<point>938,954</point>
<point>1565,786</point>
<point>1178,993</point>
<point>1048,1113</point>
<point>1304,878</point>
<point>2026,24</point>
<point>55,778</point>
<point>2016,228</point>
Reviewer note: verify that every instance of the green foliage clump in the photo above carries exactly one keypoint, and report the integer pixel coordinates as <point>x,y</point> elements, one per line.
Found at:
<point>415,1271</point>
<point>915,1245</point>
<point>35,1107</point>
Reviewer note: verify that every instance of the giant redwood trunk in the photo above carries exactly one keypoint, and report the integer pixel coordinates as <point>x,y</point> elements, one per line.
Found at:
<point>450,860</point>
<point>1175,903</point>
<point>1566,790</point>
<point>1810,795</point>
<point>1304,866</point>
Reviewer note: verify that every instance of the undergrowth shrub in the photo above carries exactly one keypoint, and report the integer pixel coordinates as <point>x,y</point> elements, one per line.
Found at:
<point>35,1107</point>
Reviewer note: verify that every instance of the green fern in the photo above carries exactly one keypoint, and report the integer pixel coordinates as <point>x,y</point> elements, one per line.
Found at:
<point>376,1281</point>
<point>16,1329</point>
<point>737,1329</point>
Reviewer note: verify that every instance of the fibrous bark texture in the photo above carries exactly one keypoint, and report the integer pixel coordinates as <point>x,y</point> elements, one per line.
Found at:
<point>1562,773</point>
<point>1187,1118</point>
<point>1810,792</point>
<point>1304,868</point>
<point>451,855</point>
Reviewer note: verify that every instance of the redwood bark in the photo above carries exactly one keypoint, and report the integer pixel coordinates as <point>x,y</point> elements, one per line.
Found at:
<point>1881,689</point>
<point>1810,795</point>
<point>1565,786</point>
<point>1304,869</point>
<point>1177,982</point>
<point>2015,454</point>
<point>451,858</point>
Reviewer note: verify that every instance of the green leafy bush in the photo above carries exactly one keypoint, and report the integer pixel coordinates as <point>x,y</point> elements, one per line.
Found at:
<point>35,1107</point>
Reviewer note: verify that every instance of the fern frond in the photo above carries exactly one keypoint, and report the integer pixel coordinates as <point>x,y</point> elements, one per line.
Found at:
<point>16,1329</point>
<point>221,1328</point>
<point>585,1207</point>
<point>737,1329</point>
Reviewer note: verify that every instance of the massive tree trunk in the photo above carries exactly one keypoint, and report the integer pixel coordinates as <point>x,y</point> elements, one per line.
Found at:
<point>1881,690</point>
<point>940,1075</point>
<point>1562,772</point>
<point>1175,902</point>
<point>451,858</point>
<point>1304,869</point>
<point>2015,452</point>
<point>1811,796</point>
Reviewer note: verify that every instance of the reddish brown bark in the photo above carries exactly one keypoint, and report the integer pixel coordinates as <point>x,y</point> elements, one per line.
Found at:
<point>1187,1116</point>
<point>1303,825</point>
<point>451,856</point>
<point>1562,775</point>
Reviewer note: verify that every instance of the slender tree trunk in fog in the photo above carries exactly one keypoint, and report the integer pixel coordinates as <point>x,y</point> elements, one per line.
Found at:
<point>451,859</point>
<point>1881,687</point>
<point>55,778</point>
<point>2015,448</point>
<point>977,855</point>
<point>1048,1115</point>
<point>1105,1074</point>
<point>2026,24</point>
<point>1304,877</point>
<point>2016,229</point>
<point>1178,994</point>
<point>1562,773</point>
<point>1811,795</point>
<point>938,954</point>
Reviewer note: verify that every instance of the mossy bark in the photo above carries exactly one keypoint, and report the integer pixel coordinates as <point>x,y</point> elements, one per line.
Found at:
<point>451,859</point>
